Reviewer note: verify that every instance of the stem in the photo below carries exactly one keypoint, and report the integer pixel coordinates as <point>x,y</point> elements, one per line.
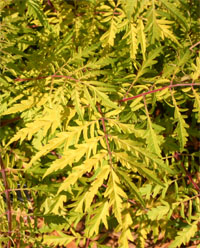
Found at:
<point>9,213</point>
<point>177,157</point>
<point>196,44</point>
<point>105,133</point>
<point>156,90</point>
<point>43,77</point>
<point>51,5</point>
<point>6,122</point>
<point>190,178</point>
<point>87,243</point>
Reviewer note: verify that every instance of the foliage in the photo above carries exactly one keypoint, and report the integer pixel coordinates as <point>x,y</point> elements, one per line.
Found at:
<point>100,113</point>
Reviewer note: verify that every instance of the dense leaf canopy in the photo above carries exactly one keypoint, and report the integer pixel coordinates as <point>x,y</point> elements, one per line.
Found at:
<point>99,131</point>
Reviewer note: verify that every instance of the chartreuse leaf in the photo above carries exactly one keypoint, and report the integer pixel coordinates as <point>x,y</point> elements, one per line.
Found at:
<point>158,213</point>
<point>51,119</point>
<point>128,161</point>
<point>78,171</point>
<point>129,7</point>
<point>104,99</point>
<point>20,107</point>
<point>153,142</point>
<point>126,234</point>
<point>98,214</point>
<point>152,24</point>
<point>115,194</point>
<point>135,105</point>
<point>66,138</point>
<point>53,144</point>
<point>149,61</point>
<point>196,104</point>
<point>76,98</point>
<point>166,32</point>
<point>136,148</point>
<point>195,75</point>
<point>142,38</point>
<point>73,156</point>
<point>96,184</point>
<point>35,9</point>
<point>109,36</point>
<point>184,235</point>
<point>181,126</point>
<point>62,239</point>
<point>131,185</point>
<point>175,12</point>
<point>55,205</point>
<point>92,101</point>
<point>89,195</point>
<point>133,40</point>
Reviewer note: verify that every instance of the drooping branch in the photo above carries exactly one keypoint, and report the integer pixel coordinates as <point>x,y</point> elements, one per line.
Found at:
<point>8,202</point>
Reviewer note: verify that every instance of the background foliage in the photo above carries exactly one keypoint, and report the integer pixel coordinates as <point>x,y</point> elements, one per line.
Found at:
<point>100,112</point>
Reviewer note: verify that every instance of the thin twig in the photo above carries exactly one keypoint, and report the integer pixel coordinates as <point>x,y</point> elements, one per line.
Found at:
<point>177,157</point>
<point>190,178</point>
<point>8,202</point>
<point>44,77</point>
<point>51,5</point>
<point>87,243</point>
<point>105,133</point>
<point>6,122</point>
<point>159,89</point>
<point>196,44</point>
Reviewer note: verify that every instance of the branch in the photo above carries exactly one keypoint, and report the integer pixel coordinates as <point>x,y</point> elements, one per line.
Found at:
<point>177,157</point>
<point>43,77</point>
<point>190,178</point>
<point>196,44</point>
<point>105,133</point>
<point>8,202</point>
<point>51,5</point>
<point>6,122</point>
<point>159,89</point>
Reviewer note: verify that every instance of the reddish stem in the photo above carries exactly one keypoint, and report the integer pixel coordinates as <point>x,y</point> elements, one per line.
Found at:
<point>87,243</point>
<point>190,178</point>
<point>51,5</point>
<point>156,90</point>
<point>6,122</point>
<point>8,202</point>
<point>177,157</point>
<point>105,133</point>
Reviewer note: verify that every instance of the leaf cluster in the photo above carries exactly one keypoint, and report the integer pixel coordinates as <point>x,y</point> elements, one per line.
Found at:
<point>100,112</point>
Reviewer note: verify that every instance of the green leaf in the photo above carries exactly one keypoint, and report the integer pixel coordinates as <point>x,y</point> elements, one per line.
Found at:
<point>115,193</point>
<point>175,12</point>
<point>153,140</point>
<point>35,9</point>
<point>142,38</point>
<point>181,128</point>
<point>129,7</point>
<point>98,215</point>
<point>62,239</point>
<point>184,235</point>
<point>78,171</point>
<point>132,186</point>
<point>105,99</point>
<point>158,213</point>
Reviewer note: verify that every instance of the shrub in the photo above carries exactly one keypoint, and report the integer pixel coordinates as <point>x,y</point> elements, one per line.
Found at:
<point>100,113</point>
